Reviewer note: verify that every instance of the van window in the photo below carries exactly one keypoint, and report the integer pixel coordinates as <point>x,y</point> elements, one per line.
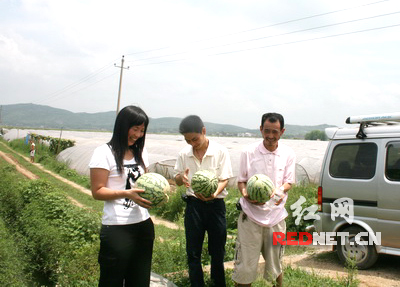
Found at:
<point>356,160</point>
<point>392,169</point>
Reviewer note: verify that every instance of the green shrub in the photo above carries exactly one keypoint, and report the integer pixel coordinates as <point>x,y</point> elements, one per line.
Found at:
<point>11,200</point>
<point>44,243</point>
<point>56,145</point>
<point>52,232</point>
<point>232,213</point>
<point>79,226</point>
<point>298,278</point>
<point>169,253</point>
<point>80,267</point>
<point>13,262</point>
<point>316,135</point>
<point>309,192</point>
<point>47,158</point>
<point>174,209</point>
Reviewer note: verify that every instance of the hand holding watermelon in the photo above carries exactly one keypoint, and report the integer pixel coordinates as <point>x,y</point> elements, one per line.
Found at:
<point>252,201</point>
<point>277,196</point>
<point>134,194</point>
<point>155,188</point>
<point>203,198</point>
<point>204,184</point>
<point>185,178</point>
<point>260,189</point>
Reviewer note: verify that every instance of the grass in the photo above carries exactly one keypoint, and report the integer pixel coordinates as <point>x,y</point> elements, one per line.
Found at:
<point>47,158</point>
<point>169,257</point>
<point>68,189</point>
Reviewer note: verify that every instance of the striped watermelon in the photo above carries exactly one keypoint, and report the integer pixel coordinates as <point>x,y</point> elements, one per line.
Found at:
<point>155,187</point>
<point>204,182</point>
<point>260,187</point>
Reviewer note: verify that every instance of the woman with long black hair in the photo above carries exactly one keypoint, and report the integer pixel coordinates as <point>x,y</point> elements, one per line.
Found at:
<point>127,231</point>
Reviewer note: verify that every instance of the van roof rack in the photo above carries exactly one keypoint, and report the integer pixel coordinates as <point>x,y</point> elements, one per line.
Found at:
<point>375,119</point>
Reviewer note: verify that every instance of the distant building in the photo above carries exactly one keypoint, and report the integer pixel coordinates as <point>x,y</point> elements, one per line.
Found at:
<point>245,134</point>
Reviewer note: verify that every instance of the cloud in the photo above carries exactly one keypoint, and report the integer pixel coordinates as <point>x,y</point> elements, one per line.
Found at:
<point>229,61</point>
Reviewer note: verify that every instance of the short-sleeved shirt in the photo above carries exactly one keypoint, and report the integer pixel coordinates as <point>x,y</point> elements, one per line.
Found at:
<point>32,151</point>
<point>279,166</point>
<point>120,211</point>
<point>216,159</point>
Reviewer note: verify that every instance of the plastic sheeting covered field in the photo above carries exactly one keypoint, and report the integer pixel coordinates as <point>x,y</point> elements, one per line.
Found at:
<point>163,150</point>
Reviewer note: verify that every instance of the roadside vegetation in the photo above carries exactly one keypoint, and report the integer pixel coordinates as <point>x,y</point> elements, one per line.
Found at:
<point>55,243</point>
<point>45,155</point>
<point>316,135</point>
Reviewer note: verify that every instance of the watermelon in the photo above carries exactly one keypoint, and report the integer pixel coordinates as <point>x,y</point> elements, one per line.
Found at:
<point>155,187</point>
<point>204,182</point>
<point>260,187</point>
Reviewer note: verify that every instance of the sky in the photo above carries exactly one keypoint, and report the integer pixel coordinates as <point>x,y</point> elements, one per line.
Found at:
<point>228,61</point>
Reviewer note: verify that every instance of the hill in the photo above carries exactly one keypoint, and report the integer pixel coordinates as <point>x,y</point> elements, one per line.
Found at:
<point>45,117</point>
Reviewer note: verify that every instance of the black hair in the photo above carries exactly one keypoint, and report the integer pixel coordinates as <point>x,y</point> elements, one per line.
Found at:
<point>191,124</point>
<point>128,117</point>
<point>273,117</point>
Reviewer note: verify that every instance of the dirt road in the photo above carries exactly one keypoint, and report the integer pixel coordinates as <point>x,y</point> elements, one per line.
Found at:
<point>323,261</point>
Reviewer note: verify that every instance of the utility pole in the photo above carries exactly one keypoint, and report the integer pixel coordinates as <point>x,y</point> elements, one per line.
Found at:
<point>120,80</point>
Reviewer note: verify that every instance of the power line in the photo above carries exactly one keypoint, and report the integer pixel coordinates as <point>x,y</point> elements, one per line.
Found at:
<point>74,84</point>
<point>92,75</point>
<point>267,26</point>
<point>275,45</point>
<point>304,30</point>
<point>308,17</point>
<point>271,36</point>
<point>307,40</point>
<point>83,88</point>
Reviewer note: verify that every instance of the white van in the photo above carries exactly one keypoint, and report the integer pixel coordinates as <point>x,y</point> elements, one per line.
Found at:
<point>362,163</point>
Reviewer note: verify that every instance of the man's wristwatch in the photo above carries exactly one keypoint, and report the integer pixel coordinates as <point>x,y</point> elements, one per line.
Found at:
<point>282,189</point>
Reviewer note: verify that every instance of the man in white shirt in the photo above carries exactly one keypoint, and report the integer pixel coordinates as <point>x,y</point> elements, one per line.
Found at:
<point>203,214</point>
<point>257,222</point>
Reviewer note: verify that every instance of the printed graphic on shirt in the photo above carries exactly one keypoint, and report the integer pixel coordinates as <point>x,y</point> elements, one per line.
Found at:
<point>133,173</point>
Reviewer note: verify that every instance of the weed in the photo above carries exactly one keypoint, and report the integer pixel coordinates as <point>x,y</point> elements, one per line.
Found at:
<point>352,271</point>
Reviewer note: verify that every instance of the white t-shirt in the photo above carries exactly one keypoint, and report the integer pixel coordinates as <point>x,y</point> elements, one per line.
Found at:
<point>120,211</point>
<point>216,159</point>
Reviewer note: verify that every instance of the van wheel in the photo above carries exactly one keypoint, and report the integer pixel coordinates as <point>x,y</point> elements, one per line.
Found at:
<point>364,255</point>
